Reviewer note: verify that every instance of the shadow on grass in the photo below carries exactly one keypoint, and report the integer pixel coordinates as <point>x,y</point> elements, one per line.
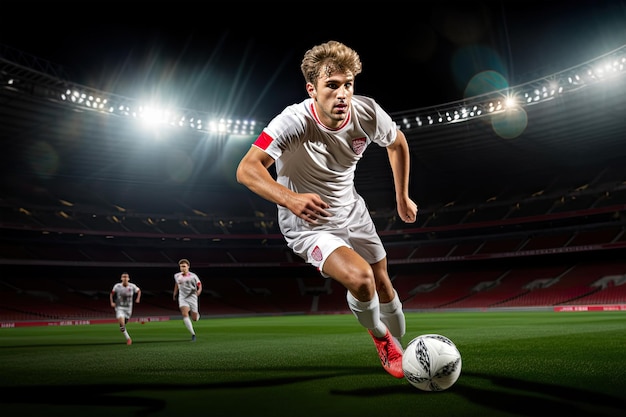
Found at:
<point>517,397</point>
<point>501,395</point>
<point>117,395</point>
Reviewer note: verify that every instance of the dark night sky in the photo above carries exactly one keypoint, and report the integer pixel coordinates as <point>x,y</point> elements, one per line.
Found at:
<point>245,60</point>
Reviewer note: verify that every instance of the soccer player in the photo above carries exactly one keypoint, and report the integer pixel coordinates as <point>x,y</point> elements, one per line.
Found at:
<point>121,299</point>
<point>187,287</point>
<point>316,145</point>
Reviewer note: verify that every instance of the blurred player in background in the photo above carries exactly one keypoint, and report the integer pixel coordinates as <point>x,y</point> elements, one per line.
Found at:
<point>187,287</point>
<point>121,298</point>
<point>316,145</point>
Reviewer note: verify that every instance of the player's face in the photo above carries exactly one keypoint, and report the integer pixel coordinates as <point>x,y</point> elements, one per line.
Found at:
<point>184,268</point>
<point>333,97</point>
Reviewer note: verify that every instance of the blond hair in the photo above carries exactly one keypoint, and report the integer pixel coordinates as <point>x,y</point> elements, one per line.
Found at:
<point>328,58</point>
<point>184,261</point>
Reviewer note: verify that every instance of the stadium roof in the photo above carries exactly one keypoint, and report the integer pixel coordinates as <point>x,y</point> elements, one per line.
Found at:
<point>562,141</point>
<point>570,138</point>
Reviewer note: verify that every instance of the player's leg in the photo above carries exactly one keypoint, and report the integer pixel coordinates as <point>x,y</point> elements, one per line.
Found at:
<point>391,312</point>
<point>122,320</point>
<point>184,309</point>
<point>354,273</point>
<point>194,309</point>
<point>194,314</point>
<point>365,240</point>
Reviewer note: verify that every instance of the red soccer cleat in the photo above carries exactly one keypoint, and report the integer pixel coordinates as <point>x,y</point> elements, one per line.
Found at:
<point>390,354</point>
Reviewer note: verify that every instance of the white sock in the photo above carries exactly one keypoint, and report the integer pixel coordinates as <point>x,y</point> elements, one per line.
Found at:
<point>188,324</point>
<point>367,313</point>
<point>392,315</point>
<point>124,332</point>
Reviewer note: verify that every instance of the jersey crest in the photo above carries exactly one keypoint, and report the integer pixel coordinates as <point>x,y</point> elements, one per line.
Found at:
<point>358,145</point>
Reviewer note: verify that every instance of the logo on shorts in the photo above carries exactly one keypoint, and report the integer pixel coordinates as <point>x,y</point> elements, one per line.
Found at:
<point>317,254</point>
<point>358,145</point>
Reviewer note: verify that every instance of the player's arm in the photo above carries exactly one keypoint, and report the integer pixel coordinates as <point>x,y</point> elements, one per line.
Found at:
<point>199,287</point>
<point>400,160</point>
<point>175,291</point>
<point>253,173</point>
<point>138,295</point>
<point>111,301</point>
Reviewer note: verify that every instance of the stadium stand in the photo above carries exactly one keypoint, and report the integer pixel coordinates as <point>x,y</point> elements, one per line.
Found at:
<point>551,233</point>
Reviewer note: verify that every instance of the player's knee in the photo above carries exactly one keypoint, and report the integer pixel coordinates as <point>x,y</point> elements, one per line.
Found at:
<point>363,284</point>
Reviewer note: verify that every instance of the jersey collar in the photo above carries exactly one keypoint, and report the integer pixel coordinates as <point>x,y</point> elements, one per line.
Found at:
<point>317,119</point>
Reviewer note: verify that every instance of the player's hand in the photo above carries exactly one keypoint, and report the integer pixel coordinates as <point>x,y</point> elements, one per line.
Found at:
<point>407,210</point>
<point>309,207</point>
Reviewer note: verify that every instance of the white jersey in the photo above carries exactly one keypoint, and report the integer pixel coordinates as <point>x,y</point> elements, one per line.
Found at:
<point>312,158</point>
<point>124,296</point>
<point>187,284</point>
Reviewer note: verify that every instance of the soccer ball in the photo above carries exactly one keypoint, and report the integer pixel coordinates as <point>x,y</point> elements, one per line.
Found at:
<point>431,362</point>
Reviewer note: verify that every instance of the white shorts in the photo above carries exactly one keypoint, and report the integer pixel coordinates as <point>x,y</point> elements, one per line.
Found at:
<point>125,312</point>
<point>350,226</point>
<point>191,302</point>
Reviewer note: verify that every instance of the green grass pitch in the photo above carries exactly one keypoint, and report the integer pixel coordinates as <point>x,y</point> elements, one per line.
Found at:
<point>514,364</point>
